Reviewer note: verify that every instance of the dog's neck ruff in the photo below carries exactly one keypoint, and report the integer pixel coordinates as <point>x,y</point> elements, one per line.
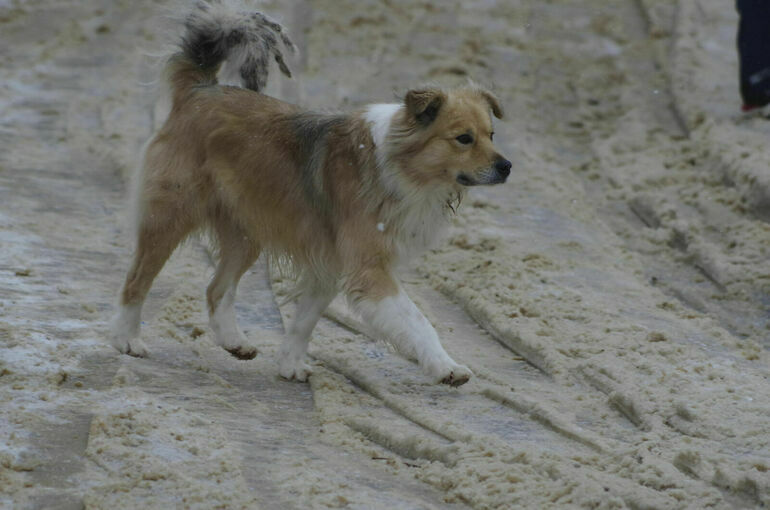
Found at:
<point>380,118</point>
<point>380,115</point>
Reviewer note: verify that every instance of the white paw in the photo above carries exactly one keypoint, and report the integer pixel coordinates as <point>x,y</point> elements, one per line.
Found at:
<point>294,370</point>
<point>457,376</point>
<point>234,342</point>
<point>131,346</point>
<point>449,372</point>
<point>243,351</point>
<point>124,332</point>
<point>229,337</point>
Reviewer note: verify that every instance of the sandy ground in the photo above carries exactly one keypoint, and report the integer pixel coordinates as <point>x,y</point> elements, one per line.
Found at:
<point>612,298</point>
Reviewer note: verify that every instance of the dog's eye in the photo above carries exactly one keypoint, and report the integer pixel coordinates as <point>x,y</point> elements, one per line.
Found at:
<point>492,135</point>
<point>465,139</point>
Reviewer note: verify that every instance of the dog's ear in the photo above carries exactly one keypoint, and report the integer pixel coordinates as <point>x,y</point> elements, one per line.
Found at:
<point>423,105</point>
<point>494,103</point>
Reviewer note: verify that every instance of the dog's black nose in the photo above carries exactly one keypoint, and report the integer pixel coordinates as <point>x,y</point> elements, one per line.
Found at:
<point>503,167</point>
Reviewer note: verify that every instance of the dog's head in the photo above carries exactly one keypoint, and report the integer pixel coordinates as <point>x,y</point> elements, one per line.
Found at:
<point>447,138</point>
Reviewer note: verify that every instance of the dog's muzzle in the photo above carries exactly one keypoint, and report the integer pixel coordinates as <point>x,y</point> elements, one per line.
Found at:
<point>497,174</point>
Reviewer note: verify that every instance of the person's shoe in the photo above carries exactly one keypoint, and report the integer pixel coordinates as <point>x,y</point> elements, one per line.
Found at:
<point>752,107</point>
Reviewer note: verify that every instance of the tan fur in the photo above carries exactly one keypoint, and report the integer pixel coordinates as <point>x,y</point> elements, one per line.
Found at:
<point>223,160</point>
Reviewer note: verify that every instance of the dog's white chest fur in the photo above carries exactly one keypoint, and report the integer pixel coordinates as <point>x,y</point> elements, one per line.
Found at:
<point>417,221</point>
<point>417,224</point>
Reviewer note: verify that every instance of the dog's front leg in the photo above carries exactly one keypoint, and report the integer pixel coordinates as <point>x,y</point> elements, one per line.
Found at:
<point>396,319</point>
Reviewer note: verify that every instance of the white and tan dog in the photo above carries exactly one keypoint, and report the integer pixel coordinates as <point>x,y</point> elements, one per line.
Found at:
<point>344,197</point>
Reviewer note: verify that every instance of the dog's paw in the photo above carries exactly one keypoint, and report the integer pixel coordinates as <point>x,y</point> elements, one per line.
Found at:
<point>131,346</point>
<point>445,371</point>
<point>243,352</point>
<point>294,370</point>
<point>124,332</point>
<point>230,338</point>
<point>137,349</point>
<point>457,376</point>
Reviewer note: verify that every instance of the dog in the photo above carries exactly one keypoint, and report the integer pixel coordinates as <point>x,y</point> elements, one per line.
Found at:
<point>344,198</point>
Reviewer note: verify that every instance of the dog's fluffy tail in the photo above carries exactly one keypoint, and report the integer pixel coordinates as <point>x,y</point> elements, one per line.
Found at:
<point>217,32</point>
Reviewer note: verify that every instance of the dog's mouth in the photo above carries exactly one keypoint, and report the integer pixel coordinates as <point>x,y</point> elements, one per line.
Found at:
<point>465,180</point>
<point>485,179</point>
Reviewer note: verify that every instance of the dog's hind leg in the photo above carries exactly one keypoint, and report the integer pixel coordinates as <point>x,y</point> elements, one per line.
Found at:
<point>311,305</point>
<point>159,235</point>
<point>237,252</point>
